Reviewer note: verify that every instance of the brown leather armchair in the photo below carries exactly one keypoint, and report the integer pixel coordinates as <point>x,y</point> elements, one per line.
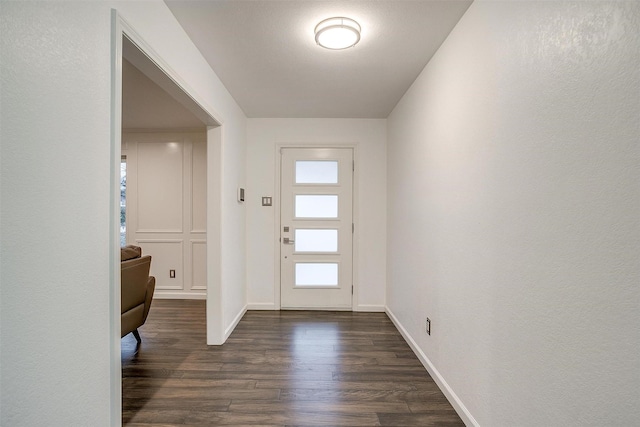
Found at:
<point>136,289</point>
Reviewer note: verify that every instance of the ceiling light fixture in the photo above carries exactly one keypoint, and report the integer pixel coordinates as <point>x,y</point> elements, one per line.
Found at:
<point>337,33</point>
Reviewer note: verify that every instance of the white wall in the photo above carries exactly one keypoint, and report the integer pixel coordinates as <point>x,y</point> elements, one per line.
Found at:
<point>514,213</point>
<point>55,360</point>
<point>233,229</point>
<point>370,212</point>
<point>149,20</point>
<point>167,207</point>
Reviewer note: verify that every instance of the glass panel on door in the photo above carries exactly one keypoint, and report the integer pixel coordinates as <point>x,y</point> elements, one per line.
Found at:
<point>316,206</point>
<point>316,274</point>
<point>317,240</point>
<point>316,172</point>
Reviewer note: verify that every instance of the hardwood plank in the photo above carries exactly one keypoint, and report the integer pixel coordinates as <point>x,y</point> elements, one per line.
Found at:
<point>347,385</point>
<point>156,403</point>
<point>157,416</point>
<point>289,368</point>
<point>418,401</point>
<point>267,374</point>
<point>373,375</point>
<point>146,383</point>
<point>188,393</point>
<point>319,407</point>
<point>429,405</point>
<point>400,370</point>
<point>155,425</point>
<point>399,361</point>
<point>424,420</point>
<point>337,353</point>
<point>281,419</point>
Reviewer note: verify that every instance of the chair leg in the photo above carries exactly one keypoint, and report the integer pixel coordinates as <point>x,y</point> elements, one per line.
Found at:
<point>137,335</point>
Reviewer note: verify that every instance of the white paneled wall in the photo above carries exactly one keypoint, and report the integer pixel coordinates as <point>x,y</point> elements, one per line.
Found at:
<point>167,207</point>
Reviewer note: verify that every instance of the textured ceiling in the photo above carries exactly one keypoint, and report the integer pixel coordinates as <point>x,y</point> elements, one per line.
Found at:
<point>265,54</point>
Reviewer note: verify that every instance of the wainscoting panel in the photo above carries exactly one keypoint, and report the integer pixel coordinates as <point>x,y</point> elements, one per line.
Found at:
<point>166,256</point>
<point>198,265</point>
<point>166,209</point>
<point>160,187</point>
<point>199,188</point>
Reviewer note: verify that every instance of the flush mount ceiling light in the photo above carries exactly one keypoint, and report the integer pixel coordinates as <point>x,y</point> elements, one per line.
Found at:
<point>337,33</point>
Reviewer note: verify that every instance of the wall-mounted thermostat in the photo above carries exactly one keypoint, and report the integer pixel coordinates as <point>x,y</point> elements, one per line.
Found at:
<point>240,194</point>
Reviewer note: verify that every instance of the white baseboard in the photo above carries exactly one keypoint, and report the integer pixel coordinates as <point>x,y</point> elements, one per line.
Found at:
<point>261,306</point>
<point>178,295</point>
<point>451,396</point>
<point>234,323</point>
<point>361,307</point>
<point>369,308</point>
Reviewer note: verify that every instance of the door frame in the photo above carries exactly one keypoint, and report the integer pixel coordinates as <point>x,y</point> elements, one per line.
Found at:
<point>277,218</point>
<point>176,86</point>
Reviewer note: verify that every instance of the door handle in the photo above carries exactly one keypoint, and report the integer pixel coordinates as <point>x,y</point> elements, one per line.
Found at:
<point>288,241</point>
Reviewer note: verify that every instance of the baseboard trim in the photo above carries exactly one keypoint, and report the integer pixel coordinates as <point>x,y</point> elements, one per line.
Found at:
<point>179,295</point>
<point>234,323</point>
<point>362,307</point>
<point>451,396</point>
<point>261,306</point>
<point>370,308</point>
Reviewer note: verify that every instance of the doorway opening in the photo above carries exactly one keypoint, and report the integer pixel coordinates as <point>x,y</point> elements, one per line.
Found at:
<point>128,46</point>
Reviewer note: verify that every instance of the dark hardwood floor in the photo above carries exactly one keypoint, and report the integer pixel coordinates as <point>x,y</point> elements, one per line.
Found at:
<point>288,368</point>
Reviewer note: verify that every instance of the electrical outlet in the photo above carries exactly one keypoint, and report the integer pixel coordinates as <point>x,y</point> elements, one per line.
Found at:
<point>428,326</point>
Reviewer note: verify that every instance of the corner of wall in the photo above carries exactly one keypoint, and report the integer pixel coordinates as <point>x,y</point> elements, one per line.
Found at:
<point>451,396</point>
<point>229,330</point>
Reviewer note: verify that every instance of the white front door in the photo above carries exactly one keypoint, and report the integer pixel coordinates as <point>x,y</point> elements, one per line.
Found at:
<point>316,234</point>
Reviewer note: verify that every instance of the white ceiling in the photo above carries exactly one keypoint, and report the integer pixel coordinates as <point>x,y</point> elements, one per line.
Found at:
<point>265,53</point>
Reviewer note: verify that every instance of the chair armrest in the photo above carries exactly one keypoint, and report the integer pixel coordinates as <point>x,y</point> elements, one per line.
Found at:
<point>151,286</point>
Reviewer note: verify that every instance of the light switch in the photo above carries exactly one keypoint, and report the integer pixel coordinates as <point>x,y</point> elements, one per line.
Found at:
<point>266,201</point>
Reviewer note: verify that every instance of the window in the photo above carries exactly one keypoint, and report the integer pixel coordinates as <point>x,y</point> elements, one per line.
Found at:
<point>123,201</point>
